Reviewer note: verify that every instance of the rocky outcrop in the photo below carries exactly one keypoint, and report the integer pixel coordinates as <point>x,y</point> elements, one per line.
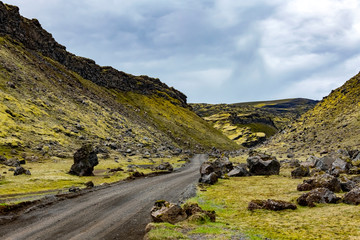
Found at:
<point>34,37</point>
<point>85,159</point>
<point>318,195</point>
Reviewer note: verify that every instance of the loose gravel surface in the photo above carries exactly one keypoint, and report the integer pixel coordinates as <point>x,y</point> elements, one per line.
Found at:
<point>117,212</point>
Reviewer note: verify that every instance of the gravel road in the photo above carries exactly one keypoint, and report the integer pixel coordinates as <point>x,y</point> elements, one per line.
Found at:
<point>118,212</point>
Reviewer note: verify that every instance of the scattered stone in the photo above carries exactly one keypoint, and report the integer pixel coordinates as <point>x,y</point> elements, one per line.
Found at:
<point>259,165</point>
<point>85,159</point>
<point>300,172</point>
<point>322,181</point>
<point>293,163</point>
<point>13,162</point>
<point>318,195</point>
<point>196,214</point>
<point>20,170</point>
<point>74,189</point>
<point>290,155</point>
<point>353,197</point>
<point>346,184</point>
<point>271,204</point>
<point>211,178</point>
<point>339,166</point>
<point>239,171</point>
<point>166,166</point>
<point>164,211</point>
<point>116,170</point>
<point>324,163</point>
<point>89,184</point>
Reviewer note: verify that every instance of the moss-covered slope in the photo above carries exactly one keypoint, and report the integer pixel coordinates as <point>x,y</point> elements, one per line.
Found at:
<point>334,123</point>
<point>253,122</point>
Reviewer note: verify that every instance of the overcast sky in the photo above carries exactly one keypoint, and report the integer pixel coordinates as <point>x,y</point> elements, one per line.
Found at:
<point>215,51</point>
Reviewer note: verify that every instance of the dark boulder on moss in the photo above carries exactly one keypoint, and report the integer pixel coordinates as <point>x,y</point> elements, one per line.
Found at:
<point>263,165</point>
<point>166,166</point>
<point>271,204</point>
<point>164,211</point>
<point>318,195</point>
<point>300,172</point>
<point>196,214</point>
<point>353,197</point>
<point>20,170</point>
<point>239,171</point>
<point>85,159</point>
<point>211,178</point>
<point>323,181</point>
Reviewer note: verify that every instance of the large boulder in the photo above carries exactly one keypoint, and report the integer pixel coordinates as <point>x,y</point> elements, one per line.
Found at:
<point>211,178</point>
<point>164,211</point>
<point>322,181</point>
<point>196,214</point>
<point>340,166</point>
<point>300,172</point>
<point>206,168</point>
<point>293,163</point>
<point>346,184</point>
<point>166,166</point>
<point>271,204</point>
<point>85,159</point>
<point>211,171</point>
<point>239,171</point>
<point>352,197</point>
<point>259,165</point>
<point>325,163</point>
<point>317,195</point>
<point>20,170</point>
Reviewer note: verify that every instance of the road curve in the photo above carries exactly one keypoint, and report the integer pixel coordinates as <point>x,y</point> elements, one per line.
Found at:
<point>118,212</point>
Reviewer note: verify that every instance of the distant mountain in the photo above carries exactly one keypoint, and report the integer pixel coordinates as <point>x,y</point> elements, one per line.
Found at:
<point>251,123</point>
<point>334,123</point>
<point>52,101</point>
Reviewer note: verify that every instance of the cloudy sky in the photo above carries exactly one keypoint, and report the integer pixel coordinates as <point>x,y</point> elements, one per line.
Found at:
<point>215,51</point>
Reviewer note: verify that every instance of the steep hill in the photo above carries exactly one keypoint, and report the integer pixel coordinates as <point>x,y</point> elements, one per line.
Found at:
<point>253,122</point>
<point>334,123</point>
<point>52,101</point>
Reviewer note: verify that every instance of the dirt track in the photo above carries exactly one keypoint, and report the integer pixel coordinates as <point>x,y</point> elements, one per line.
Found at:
<point>117,212</point>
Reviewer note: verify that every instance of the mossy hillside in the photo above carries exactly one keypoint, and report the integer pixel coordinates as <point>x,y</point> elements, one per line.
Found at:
<point>182,123</point>
<point>333,123</point>
<point>230,199</point>
<point>52,102</point>
<point>246,123</point>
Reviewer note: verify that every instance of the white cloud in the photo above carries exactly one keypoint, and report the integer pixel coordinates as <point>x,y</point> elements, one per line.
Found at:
<point>220,50</point>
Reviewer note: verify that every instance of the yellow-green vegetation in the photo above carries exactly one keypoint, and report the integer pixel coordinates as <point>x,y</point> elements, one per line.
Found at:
<point>180,122</point>
<point>332,124</point>
<point>251,123</point>
<point>230,198</point>
<point>52,175</point>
